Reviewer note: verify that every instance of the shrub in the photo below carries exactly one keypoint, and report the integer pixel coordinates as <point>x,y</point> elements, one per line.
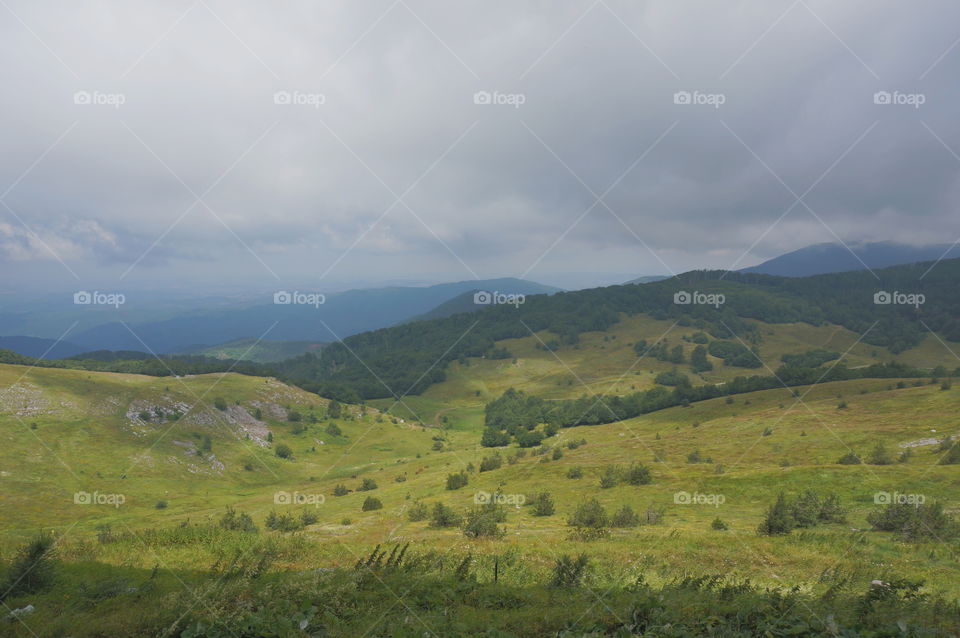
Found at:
<point>371,503</point>
<point>778,519</point>
<point>543,504</point>
<point>283,522</point>
<point>444,516</point>
<point>557,454</point>
<point>575,472</point>
<point>880,455</point>
<point>915,522</point>
<point>458,480</point>
<point>481,522</point>
<point>32,570</point>
<point>220,404</point>
<point>367,484</point>
<point>294,416</point>
<point>696,457</point>
<point>333,429</point>
<point>235,521</point>
<point>308,518</point>
<point>493,462</point>
<point>340,490</point>
<point>638,474</point>
<point>610,477</point>
<point>569,572</point>
<point>625,517</point>
<point>590,519</point>
<point>850,458</point>
<point>283,451</point>
<point>719,524</point>
<point>418,512</point>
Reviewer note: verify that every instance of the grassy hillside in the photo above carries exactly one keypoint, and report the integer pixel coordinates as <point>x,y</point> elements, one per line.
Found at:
<point>260,351</point>
<point>68,431</point>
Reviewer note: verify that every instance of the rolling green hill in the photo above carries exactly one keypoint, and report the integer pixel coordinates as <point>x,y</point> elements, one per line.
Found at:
<point>156,462</point>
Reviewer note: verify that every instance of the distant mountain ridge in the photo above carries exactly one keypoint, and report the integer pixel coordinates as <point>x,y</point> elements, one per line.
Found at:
<point>39,347</point>
<point>469,302</point>
<point>820,259</point>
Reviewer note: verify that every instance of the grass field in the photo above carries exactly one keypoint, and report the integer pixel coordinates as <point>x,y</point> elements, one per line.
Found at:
<point>68,432</point>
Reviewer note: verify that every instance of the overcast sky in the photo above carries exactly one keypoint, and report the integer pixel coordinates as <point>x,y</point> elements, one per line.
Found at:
<point>191,143</point>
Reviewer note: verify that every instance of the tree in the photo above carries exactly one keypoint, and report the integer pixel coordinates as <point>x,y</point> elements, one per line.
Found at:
<point>444,516</point>
<point>418,512</point>
<point>32,570</point>
<point>625,517</point>
<point>880,455</point>
<point>778,519</point>
<point>371,503</point>
<point>334,409</point>
<point>333,429</point>
<point>458,480</point>
<point>283,451</point>
<point>543,504</point>
<point>699,361</point>
<point>639,474</point>
<point>610,477</point>
<point>590,519</point>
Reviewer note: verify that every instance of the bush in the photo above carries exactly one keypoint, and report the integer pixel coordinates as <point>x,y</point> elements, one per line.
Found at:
<point>569,572</point>
<point>32,570</point>
<point>283,522</point>
<point>625,517</point>
<point>161,505</point>
<point>444,516</point>
<point>220,404</point>
<point>333,429</point>
<point>807,510</point>
<point>481,522</point>
<point>340,490</point>
<point>850,458</point>
<point>493,462</point>
<point>543,504</point>
<point>418,512</point>
<point>283,451</point>
<point>610,477</point>
<point>458,480</point>
<point>367,484</point>
<point>590,519</point>
<point>778,519</point>
<point>696,457</point>
<point>371,503</point>
<point>638,474</point>
<point>557,454</point>
<point>235,521</point>
<point>575,472</point>
<point>923,521</point>
<point>719,524</point>
<point>294,416</point>
<point>880,456</point>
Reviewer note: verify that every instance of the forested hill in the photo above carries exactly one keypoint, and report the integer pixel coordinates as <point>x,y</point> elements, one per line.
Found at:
<point>407,359</point>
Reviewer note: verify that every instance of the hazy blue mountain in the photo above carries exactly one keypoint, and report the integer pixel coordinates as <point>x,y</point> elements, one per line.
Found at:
<point>340,315</point>
<point>825,258</point>
<point>37,347</point>
<point>647,279</point>
<point>470,301</point>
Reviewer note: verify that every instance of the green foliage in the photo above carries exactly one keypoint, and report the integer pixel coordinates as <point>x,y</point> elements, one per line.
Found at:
<point>334,409</point>
<point>481,521</point>
<point>610,477</point>
<point>778,519</point>
<point>625,517</point>
<point>283,451</point>
<point>880,456</point>
<point>371,503</point>
<point>237,521</point>
<point>32,570</point>
<point>734,353</point>
<point>493,462</point>
<point>570,572</point>
<point>699,361</point>
<point>672,378</point>
<point>418,512</point>
<point>697,457</point>
<point>457,480</point>
<point>807,510</point>
<point>719,524</point>
<point>638,474</point>
<point>220,404</point>
<point>575,472</point>
<point>916,521</point>
<point>333,429</point>
<point>590,520</point>
<point>340,490</point>
<point>444,516</point>
<point>367,484</point>
<point>850,458</point>
<point>543,505</point>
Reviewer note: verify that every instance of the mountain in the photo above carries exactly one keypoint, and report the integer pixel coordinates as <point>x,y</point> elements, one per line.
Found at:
<point>474,300</point>
<point>323,319</point>
<point>825,258</point>
<point>263,351</point>
<point>37,347</point>
<point>647,279</point>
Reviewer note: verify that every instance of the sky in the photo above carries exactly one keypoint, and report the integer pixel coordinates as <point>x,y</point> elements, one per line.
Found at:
<point>193,145</point>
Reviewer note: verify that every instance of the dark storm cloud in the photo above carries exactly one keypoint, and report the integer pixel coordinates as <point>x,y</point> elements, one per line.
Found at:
<point>248,140</point>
